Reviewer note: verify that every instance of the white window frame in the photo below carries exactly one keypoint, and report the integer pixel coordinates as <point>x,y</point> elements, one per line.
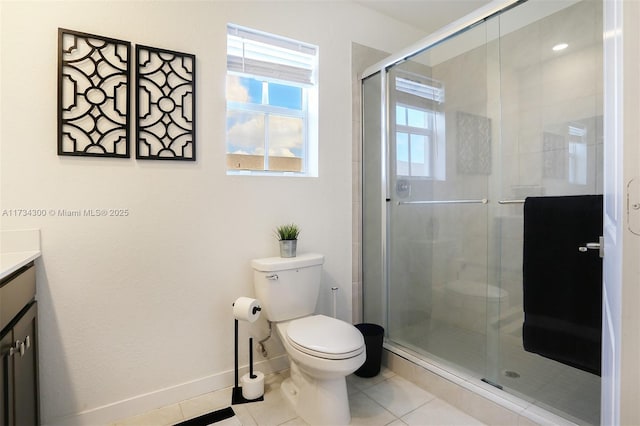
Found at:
<point>287,69</point>
<point>578,151</point>
<point>429,134</point>
<point>421,93</point>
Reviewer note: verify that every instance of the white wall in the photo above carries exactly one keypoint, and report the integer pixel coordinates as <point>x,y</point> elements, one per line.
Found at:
<point>136,311</point>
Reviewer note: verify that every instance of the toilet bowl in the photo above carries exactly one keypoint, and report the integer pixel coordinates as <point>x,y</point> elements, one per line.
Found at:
<point>325,346</point>
<point>322,350</point>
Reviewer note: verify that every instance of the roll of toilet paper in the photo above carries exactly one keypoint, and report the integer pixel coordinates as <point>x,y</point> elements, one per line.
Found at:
<point>253,388</point>
<point>246,309</point>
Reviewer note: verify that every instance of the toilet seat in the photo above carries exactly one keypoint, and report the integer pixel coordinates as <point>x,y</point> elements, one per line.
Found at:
<point>325,337</point>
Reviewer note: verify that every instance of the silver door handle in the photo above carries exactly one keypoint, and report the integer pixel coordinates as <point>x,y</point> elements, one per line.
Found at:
<point>594,246</point>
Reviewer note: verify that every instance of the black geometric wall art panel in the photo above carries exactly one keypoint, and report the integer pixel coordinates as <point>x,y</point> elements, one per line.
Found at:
<point>93,95</point>
<point>165,104</point>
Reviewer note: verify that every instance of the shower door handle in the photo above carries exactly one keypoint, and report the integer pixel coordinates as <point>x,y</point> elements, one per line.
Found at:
<point>594,246</point>
<point>589,246</point>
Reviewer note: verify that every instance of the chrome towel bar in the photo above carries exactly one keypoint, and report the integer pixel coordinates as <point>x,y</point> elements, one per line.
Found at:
<point>481,201</point>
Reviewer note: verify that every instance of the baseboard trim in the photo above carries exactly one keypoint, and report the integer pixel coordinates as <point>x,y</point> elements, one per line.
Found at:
<point>143,403</point>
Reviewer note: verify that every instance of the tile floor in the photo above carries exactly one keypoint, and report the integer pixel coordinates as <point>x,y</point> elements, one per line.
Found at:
<point>386,399</point>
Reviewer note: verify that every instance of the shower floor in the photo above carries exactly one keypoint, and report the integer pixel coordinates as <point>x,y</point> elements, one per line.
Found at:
<point>563,390</point>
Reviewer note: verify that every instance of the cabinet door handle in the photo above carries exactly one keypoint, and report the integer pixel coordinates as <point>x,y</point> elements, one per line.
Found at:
<point>19,347</point>
<point>27,342</point>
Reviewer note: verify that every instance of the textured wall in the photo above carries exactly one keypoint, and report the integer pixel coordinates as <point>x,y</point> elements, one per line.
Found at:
<point>135,311</point>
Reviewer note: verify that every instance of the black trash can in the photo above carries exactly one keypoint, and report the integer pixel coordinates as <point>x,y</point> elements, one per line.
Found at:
<point>373,336</point>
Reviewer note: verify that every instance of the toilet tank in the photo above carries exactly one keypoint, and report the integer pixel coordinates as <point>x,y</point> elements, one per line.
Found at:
<point>287,287</point>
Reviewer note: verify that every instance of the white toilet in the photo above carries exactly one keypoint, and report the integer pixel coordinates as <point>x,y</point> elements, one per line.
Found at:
<point>322,350</point>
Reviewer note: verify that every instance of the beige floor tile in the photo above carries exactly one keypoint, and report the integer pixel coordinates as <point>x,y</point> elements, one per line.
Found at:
<point>233,421</point>
<point>398,395</point>
<point>366,382</point>
<point>381,401</point>
<point>438,413</point>
<point>243,415</point>
<point>397,423</point>
<point>365,411</point>
<point>206,403</point>
<point>274,410</point>
<point>352,388</point>
<point>164,416</point>
<point>295,422</point>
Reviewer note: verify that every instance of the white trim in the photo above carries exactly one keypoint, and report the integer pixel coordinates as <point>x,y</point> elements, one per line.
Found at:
<point>143,403</point>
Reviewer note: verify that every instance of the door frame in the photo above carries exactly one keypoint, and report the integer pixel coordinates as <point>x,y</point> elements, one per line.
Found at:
<point>621,268</point>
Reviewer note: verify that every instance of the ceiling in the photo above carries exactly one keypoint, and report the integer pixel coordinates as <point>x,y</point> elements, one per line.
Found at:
<point>427,15</point>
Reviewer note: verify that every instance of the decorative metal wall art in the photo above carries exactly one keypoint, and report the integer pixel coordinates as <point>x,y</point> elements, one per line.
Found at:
<point>554,159</point>
<point>474,144</point>
<point>93,95</point>
<point>165,104</point>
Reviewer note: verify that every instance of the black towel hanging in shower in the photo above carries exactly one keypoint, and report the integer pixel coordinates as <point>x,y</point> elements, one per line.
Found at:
<point>562,285</point>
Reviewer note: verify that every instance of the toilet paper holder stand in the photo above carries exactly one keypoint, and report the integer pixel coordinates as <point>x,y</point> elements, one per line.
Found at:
<point>236,396</point>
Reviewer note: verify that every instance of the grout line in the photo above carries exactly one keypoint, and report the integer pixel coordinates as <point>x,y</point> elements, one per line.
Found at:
<point>417,408</point>
<point>181,412</point>
<point>382,406</point>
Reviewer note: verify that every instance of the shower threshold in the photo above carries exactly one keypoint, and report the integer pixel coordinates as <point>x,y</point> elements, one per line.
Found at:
<point>477,397</point>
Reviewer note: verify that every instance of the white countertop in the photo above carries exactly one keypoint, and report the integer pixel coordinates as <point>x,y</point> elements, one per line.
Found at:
<point>18,248</point>
<point>11,262</point>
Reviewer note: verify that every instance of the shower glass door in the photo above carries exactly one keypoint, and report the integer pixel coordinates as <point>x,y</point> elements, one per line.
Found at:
<point>551,145</point>
<point>455,138</point>
<point>443,117</point>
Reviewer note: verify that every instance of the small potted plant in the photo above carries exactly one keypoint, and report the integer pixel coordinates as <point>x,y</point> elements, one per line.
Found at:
<point>288,237</point>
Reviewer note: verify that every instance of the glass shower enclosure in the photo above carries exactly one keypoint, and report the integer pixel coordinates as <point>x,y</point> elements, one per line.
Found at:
<point>455,137</point>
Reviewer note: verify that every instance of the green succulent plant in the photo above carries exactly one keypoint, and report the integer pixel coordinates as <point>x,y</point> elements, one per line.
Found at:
<point>288,232</point>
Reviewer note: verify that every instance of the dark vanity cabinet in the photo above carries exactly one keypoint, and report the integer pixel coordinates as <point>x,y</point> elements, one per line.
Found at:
<point>18,349</point>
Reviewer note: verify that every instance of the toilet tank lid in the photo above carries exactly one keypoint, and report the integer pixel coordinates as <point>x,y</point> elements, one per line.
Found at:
<point>269,264</point>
